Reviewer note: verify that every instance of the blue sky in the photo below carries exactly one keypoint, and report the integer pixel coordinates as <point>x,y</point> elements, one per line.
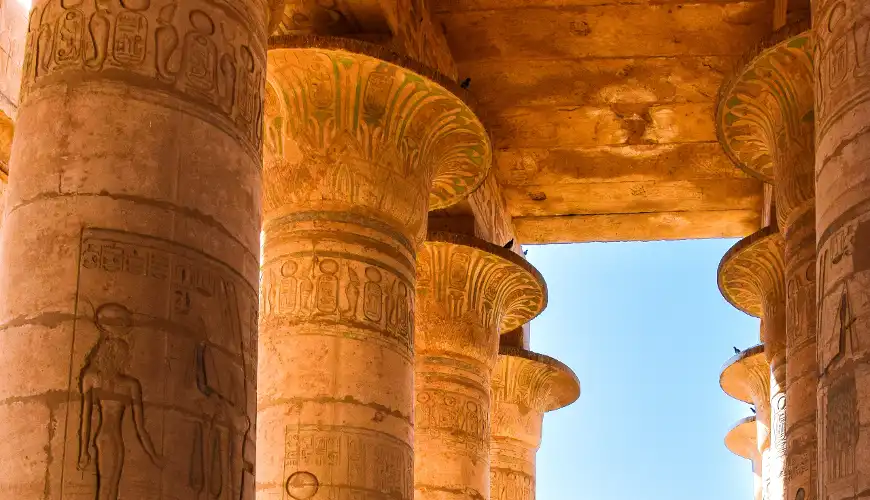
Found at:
<point>644,327</point>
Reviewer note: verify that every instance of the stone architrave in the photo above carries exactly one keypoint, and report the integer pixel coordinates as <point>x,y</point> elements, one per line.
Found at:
<point>468,293</point>
<point>751,278</point>
<point>130,249</point>
<point>765,123</point>
<point>746,377</point>
<point>742,440</point>
<point>842,172</point>
<point>525,385</point>
<point>359,144</point>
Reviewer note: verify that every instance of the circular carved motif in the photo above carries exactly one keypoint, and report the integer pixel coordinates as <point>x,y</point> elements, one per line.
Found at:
<point>302,485</point>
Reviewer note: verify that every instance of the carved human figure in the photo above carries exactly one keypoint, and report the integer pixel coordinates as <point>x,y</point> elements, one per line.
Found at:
<point>111,392</point>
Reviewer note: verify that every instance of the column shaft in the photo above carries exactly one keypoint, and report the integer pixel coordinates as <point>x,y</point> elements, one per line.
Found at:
<point>773,336</point>
<point>128,262</point>
<point>843,242</point>
<point>452,414</point>
<point>335,402</point>
<point>802,375</point>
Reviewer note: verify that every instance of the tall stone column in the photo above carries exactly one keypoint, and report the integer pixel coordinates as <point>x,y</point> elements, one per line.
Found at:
<point>842,169</point>
<point>129,254</point>
<point>765,124</point>
<point>524,387</point>
<point>751,278</point>
<point>468,293</point>
<point>360,144</point>
<point>746,377</point>
<point>742,440</point>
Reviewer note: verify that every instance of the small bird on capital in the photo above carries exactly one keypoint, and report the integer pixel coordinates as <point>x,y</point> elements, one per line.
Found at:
<point>465,83</point>
<point>509,244</point>
<point>736,350</point>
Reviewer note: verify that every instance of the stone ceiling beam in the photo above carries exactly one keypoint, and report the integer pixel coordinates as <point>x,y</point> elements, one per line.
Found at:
<point>649,226</point>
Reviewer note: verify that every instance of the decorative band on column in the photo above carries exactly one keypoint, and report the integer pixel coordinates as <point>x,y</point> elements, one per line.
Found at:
<point>746,377</point>
<point>742,440</point>
<point>468,293</point>
<point>360,144</point>
<point>525,385</point>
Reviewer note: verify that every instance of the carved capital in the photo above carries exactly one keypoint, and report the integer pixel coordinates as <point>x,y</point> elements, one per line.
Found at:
<point>742,440</point>
<point>746,377</point>
<point>751,274</point>
<point>469,292</point>
<point>352,126</point>
<point>765,116</point>
<point>525,385</point>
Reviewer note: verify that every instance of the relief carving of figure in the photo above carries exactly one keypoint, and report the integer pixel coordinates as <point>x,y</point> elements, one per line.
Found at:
<point>107,393</point>
<point>218,464</point>
<point>351,292</point>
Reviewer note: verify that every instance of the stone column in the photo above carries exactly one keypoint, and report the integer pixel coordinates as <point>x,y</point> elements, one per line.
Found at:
<point>765,124</point>
<point>751,278</point>
<point>468,293</point>
<point>742,440</point>
<point>525,385</point>
<point>746,377</point>
<point>842,61</point>
<point>360,144</point>
<point>129,254</point>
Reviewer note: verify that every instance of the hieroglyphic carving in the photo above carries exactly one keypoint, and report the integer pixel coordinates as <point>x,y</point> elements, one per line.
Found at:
<point>365,132</point>
<point>13,26</point>
<point>466,274</point>
<point>511,485</point>
<point>327,287</point>
<point>350,464</point>
<point>171,335</point>
<point>454,418</point>
<point>842,298</point>
<point>842,59</point>
<point>214,57</point>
